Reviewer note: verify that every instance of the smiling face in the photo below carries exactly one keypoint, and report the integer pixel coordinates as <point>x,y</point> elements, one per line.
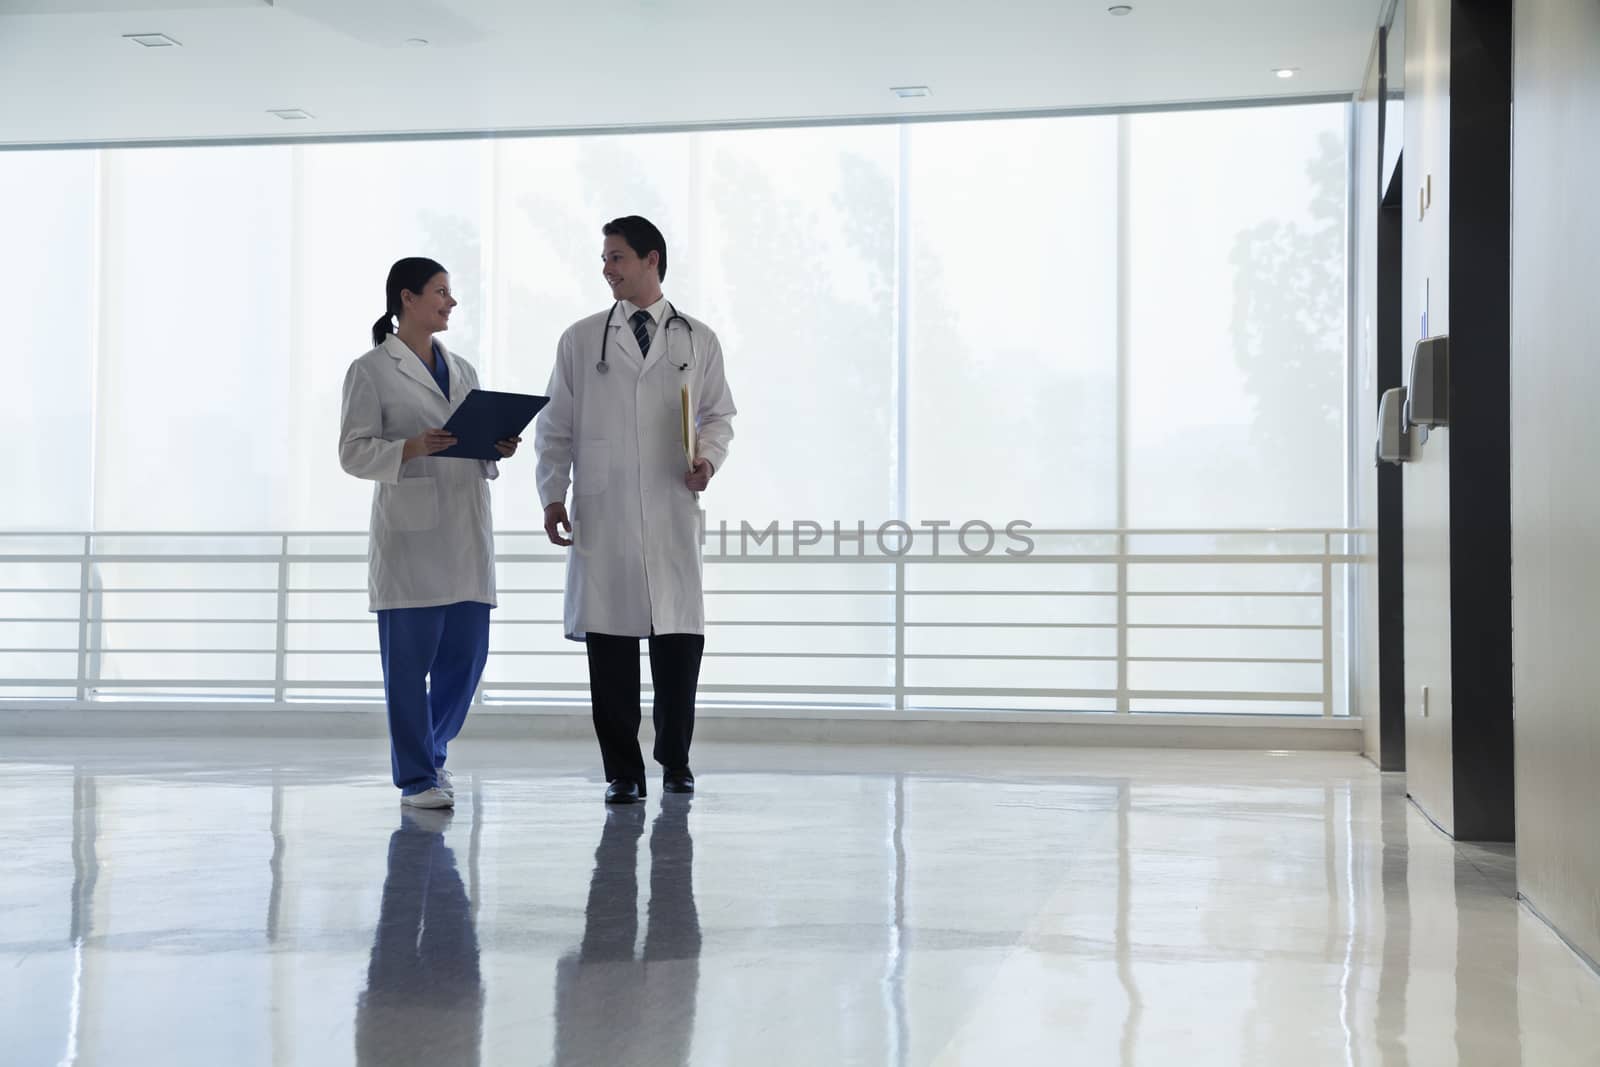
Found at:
<point>429,309</point>
<point>632,277</point>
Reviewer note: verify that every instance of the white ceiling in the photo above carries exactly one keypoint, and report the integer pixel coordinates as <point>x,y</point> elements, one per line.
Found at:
<point>68,76</point>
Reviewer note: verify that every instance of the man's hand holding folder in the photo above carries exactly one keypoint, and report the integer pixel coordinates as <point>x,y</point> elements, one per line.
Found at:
<point>700,470</point>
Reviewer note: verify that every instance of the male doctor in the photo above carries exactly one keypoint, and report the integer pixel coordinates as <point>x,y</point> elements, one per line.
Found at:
<point>614,433</point>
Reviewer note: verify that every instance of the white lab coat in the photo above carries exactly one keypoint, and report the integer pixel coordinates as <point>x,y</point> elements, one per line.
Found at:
<point>432,538</point>
<point>616,440</point>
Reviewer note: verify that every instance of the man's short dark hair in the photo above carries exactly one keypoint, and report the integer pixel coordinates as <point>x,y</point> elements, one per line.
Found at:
<point>642,236</point>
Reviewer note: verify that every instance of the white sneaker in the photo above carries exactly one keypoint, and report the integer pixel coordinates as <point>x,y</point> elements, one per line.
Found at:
<point>446,782</point>
<point>428,798</point>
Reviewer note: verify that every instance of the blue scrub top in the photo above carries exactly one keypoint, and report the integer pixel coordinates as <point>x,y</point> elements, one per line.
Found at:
<point>440,370</point>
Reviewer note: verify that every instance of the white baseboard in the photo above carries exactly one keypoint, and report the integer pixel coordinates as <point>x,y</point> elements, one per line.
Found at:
<point>722,724</point>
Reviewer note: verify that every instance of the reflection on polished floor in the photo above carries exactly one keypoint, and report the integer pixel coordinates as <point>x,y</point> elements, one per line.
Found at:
<point>257,902</point>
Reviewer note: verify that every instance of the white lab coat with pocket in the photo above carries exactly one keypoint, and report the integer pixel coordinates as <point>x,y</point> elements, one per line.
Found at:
<point>432,537</point>
<point>616,440</point>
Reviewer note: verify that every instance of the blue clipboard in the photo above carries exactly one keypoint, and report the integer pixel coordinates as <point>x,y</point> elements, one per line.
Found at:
<point>485,417</point>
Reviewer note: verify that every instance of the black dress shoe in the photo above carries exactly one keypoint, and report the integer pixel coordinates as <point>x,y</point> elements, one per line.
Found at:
<point>624,791</point>
<point>678,781</point>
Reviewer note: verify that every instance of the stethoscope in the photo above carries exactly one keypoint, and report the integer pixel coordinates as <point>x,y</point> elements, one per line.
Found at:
<point>666,331</point>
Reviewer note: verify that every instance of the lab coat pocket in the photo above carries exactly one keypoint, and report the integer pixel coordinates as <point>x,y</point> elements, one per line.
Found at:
<point>671,389</point>
<point>592,469</point>
<point>412,505</point>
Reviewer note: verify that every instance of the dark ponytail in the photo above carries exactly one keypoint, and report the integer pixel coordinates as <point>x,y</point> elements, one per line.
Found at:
<point>409,275</point>
<point>382,328</point>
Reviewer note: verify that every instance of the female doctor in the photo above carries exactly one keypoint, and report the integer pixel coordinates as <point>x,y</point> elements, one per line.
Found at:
<point>430,575</point>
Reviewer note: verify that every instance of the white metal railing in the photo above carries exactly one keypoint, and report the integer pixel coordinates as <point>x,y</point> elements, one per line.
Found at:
<point>1117,621</point>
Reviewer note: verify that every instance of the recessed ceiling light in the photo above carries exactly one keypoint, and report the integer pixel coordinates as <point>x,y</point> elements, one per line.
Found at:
<point>416,42</point>
<point>153,40</point>
<point>1121,9</point>
<point>906,92</point>
<point>1286,72</point>
<point>290,114</point>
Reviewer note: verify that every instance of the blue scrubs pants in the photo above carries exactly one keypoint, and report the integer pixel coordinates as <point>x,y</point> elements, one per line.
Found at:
<point>432,660</point>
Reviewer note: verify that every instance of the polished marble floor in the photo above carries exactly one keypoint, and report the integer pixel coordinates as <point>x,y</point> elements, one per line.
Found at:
<point>261,902</point>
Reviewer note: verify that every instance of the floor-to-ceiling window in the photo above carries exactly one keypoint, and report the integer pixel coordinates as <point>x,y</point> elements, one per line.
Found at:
<point>1090,323</point>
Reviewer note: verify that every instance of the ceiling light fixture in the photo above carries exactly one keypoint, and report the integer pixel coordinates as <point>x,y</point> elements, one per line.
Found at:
<point>1121,9</point>
<point>416,42</point>
<point>907,92</point>
<point>290,114</point>
<point>153,40</point>
<point>1286,72</point>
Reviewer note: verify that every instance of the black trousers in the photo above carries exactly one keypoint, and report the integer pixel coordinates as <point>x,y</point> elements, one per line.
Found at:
<point>614,692</point>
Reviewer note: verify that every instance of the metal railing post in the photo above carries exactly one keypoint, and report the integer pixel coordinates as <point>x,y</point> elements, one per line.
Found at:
<point>1124,705</point>
<point>899,633</point>
<point>84,567</point>
<point>280,672</point>
<point>1327,625</point>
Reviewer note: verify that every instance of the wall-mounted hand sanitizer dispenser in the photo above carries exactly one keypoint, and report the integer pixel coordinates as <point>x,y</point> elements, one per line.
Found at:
<point>1394,438</point>
<point>1428,391</point>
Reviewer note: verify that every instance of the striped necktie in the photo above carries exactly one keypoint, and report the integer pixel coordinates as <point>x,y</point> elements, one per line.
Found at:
<point>640,334</point>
